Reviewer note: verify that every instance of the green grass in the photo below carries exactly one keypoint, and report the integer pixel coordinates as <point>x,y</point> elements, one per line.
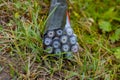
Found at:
<point>96,24</point>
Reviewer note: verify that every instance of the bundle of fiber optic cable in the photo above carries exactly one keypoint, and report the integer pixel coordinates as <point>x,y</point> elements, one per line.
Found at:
<point>59,36</point>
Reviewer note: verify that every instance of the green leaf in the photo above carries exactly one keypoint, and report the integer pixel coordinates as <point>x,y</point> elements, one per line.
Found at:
<point>1,27</point>
<point>117,53</point>
<point>115,36</point>
<point>117,33</point>
<point>18,4</point>
<point>105,26</point>
<point>110,13</point>
<point>17,15</point>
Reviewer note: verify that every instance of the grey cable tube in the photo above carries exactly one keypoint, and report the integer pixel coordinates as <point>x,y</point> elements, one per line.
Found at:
<point>57,15</point>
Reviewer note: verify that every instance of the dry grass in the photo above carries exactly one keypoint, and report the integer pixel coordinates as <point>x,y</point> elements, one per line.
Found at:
<point>21,28</point>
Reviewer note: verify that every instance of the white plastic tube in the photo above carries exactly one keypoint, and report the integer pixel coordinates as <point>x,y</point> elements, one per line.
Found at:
<point>65,47</point>
<point>51,33</point>
<point>49,49</point>
<point>47,41</point>
<point>75,48</point>
<point>64,39</point>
